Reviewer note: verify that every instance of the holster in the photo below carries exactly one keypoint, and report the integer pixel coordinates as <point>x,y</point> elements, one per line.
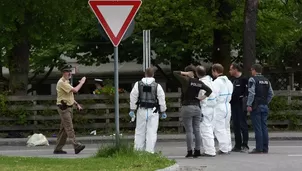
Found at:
<point>255,104</point>
<point>157,109</point>
<point>63,105</point>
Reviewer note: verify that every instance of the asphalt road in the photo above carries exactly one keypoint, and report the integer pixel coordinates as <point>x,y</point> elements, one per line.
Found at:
<point>283,155</point>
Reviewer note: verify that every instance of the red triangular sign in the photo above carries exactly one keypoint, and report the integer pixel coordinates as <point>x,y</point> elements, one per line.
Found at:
<point>115,16</point>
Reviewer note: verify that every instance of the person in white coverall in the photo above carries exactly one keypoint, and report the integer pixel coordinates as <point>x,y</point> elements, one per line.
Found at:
<point>207,106</point>
<point>148,97</point>
<point>223,88</point>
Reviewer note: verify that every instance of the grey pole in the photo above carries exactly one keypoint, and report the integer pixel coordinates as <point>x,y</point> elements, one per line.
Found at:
<point>116,98</point>
<point>71,80</point>
<point>144,50</point>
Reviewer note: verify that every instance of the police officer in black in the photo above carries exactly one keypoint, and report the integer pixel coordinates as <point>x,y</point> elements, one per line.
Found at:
<point>239,113</point>
<point>260,95</point>
<point>191,109</point>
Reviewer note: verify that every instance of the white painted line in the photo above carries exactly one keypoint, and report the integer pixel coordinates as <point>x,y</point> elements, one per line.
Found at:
<point>295,155</point>
<point>284,146</point>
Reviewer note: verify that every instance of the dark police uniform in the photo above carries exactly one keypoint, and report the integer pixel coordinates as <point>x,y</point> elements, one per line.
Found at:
<point>260,95</point>
<point>239,113</point>
<point>191,110</point>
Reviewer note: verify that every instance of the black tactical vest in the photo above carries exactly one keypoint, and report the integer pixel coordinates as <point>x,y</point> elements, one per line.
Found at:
<point>261,90</point>
<point>147,95</point>
<point>189,97</point>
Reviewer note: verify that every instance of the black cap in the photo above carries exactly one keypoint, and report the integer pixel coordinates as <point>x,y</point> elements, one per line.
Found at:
<point>66,68</point>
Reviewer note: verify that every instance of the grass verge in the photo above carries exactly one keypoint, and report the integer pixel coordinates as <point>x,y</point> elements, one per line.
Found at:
<point>107,158</point>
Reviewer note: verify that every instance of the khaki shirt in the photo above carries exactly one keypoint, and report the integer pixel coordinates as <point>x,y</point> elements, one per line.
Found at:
<point>64,92</point>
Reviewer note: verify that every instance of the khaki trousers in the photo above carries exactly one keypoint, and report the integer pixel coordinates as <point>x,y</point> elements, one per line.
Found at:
<point>66,129</point>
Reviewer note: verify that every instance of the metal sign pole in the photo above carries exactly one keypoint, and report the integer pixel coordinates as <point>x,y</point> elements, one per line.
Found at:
<point>71,79</point>
<point>149,48</point>
<point>116,98</point>
<point>144,50</point>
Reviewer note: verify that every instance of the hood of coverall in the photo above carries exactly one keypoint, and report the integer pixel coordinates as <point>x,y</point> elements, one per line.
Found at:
<point>148,80</point>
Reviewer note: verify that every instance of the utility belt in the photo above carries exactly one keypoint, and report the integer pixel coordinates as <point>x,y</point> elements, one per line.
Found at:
<point>147,105</point>
<point>64,106</point>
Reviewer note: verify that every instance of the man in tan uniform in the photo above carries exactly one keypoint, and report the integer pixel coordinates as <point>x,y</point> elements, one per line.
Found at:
<point>65,103</point>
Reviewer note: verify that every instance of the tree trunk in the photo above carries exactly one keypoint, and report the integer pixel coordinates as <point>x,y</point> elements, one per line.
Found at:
<point>1,80</point>
<point>19,68</point>
<point>222,36</point>
<point>222,49</point>
<point>249,35</point>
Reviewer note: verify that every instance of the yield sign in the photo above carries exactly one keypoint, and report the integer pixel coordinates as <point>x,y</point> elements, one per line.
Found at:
<point>115,16</point>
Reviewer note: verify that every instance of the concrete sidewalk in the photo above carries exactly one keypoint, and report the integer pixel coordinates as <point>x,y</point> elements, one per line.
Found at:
<point>161,138</point>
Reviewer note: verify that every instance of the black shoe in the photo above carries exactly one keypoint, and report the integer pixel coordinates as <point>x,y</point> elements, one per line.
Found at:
<point>207,155</point>
<point>265,152</point>
<point>190,154</point>
<point>79,148</point>
<point>235,149</point>
<point>222,153</point>
<point>59,152</point>
<point>196,153</point>
<point>255,151</point>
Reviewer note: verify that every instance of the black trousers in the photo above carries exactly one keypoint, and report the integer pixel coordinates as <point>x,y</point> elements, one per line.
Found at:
<point>239,119</point>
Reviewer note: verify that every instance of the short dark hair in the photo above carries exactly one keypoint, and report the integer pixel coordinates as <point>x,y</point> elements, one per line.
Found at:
<point>218,68</point>
<point>149,72</point>
<point>257,68</point>
<point>237,66</point>
<point>191,68</point>
<point>201,70</point>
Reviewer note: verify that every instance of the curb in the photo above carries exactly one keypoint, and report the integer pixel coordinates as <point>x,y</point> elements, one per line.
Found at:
<point>174,167</point>
<point>101,140</point>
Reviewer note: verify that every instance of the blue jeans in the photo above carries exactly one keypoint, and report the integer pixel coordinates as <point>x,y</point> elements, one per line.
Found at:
<point>259,121</point>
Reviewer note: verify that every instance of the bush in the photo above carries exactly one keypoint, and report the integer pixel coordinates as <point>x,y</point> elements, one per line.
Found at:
<point>111,150</point>
<point>126,149</point>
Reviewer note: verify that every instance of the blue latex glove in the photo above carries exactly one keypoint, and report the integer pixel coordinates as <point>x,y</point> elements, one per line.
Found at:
<point>163,116</point>
<point>132,114</point>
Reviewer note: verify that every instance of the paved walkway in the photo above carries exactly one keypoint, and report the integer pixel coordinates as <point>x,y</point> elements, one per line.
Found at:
<point>283,155</point>
<point>161,138</point>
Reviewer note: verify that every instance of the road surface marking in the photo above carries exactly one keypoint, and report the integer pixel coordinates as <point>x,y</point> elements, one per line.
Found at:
<point>295,155</point>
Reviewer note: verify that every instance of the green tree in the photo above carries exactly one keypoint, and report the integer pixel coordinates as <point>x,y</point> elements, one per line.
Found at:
<point>30,25</point>
<point>278,31</point>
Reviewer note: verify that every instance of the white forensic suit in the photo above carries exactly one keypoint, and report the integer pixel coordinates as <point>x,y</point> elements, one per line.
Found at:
<point>223,88</point>
<point>207,125</point>
<point>147,117</point>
